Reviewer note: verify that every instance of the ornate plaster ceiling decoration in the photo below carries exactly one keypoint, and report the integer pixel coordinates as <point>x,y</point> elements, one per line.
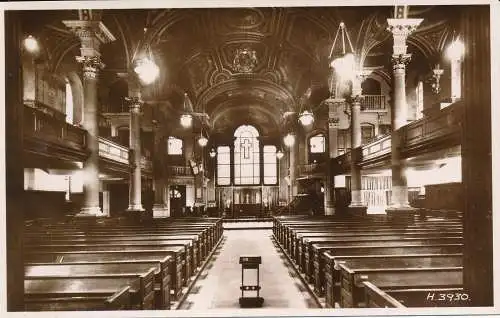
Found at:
<point>264,56</point>
<point>245,60</point>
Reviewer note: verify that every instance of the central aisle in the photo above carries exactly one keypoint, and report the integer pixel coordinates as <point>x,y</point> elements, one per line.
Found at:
<point>219,284</point>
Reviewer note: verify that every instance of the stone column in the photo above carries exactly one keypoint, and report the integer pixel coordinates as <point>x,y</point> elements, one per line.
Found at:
<point>334,106</point>
<point>356,206</point>
<point>135,186</point>
<point>293,155</point>
<point>401,29</point>
<point>92,33</point>
<point>159,174</point>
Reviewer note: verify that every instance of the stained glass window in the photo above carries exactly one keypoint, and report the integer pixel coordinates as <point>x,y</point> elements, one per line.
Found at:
<point>246,155</point>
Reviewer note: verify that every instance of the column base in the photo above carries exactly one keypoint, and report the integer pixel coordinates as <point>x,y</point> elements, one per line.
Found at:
<point>94,211</point>
<point>403,212</point>
<point>357,209</point>
<point>135,208</point>
<point>329,210</point>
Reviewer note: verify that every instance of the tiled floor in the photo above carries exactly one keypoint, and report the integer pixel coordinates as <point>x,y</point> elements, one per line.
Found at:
<point>219,284</point>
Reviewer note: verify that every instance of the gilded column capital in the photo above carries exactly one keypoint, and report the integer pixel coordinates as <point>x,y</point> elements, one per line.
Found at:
<point>91,66</point>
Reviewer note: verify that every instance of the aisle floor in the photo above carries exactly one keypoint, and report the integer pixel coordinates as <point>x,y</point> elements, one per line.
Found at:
<point>219,284</point>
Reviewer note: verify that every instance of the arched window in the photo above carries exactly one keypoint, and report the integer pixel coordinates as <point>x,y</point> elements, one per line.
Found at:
<point>174,146</point>
<point>246,155</point>
<point>317,144</point>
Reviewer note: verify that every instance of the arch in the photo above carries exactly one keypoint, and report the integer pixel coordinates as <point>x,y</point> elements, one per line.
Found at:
<point>371,86</point>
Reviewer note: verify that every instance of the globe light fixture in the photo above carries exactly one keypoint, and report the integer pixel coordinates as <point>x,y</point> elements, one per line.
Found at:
<point>147,70</point>
<point>306,118</point>
<point>202,141</point>
<point>289,140</point>
<point>186,120</point>
<point>31,44</point>
<point>455,50</point>
<point>279,154</point>
<point>212,153</point>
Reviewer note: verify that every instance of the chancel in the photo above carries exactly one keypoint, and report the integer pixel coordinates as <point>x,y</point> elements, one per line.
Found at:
<point>347,148</point>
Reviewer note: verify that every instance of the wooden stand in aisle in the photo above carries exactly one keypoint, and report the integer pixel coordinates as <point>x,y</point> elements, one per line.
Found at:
<point>250,262</point>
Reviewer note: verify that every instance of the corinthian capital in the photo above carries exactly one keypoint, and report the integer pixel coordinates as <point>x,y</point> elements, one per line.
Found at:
<point>91,66</point>
<point>92,34</point>
<point>399,61</point>
<point>134,103</point>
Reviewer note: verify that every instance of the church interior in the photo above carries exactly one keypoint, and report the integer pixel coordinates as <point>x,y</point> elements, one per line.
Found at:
<point>340,157</point>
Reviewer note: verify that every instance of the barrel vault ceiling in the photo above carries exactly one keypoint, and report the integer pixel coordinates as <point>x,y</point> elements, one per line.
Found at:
<point>239,64</point>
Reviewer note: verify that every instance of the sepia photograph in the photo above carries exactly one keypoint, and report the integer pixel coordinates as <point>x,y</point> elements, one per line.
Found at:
<point>184,160</point>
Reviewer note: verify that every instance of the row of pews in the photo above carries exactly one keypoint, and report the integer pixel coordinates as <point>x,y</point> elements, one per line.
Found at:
<point>112,263</point>
<point>376,261</point>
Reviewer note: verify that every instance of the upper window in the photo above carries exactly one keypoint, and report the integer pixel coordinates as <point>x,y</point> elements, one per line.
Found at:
<point>174,146</point>
<point>69,103</point>
<point>270,165</point>
<point>223,165</point>
<point>246,155</point>
<point>317,144</point>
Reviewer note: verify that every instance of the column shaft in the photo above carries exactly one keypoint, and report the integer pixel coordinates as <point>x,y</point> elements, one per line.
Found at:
<point>329,199</point>
<point>356,199</point>
<point>90,205</point>
<point>135,187</point>
<point>401,29</point>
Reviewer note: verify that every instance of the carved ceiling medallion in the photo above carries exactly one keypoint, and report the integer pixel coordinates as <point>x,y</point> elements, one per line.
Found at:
<point>245,60</point>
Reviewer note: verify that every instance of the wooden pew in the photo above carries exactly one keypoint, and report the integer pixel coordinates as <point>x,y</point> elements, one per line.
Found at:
<point>333,273</point>
<point>141,287</point>
<point>206,242</point>
<point>306,250</point>
<point>360,228</point>
<point>176,273</point>
<point>306,247</point>
<point>415,297</point>
<point>124,246</point>
<point>75,269</point>
<point>352,290</point>
<point>310,236</point>
<point>314,263</point>
<point>94,239</point>
<point>118,301</point>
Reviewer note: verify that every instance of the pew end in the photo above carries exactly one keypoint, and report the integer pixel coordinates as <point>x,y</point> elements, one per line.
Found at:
<point>119,301</point>
<point>377,298</point>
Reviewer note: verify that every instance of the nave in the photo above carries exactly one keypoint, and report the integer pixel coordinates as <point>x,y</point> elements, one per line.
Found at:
<point>220,286</point>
